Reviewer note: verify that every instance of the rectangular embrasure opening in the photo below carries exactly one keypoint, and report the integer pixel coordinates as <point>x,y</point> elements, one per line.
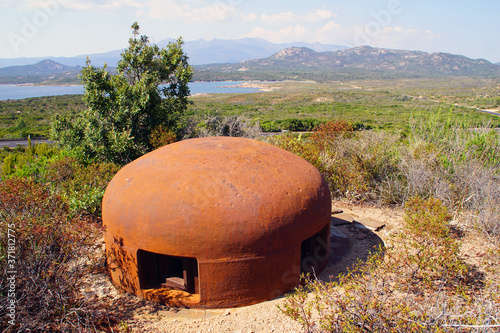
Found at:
<point>164,271</point>
<point>314,251</point>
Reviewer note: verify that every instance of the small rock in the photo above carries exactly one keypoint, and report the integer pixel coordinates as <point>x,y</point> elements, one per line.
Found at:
<point>336,211</point>
<point>342,218</point>
<point>370,223</point>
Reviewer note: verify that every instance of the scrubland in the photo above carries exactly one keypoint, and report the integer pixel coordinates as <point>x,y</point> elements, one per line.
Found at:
<point>401,143</point>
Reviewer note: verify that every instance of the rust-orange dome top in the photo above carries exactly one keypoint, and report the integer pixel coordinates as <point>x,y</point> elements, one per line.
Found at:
<point>216,197</point>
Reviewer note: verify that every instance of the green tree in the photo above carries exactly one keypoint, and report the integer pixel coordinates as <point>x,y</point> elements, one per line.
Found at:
<point>148,91</point>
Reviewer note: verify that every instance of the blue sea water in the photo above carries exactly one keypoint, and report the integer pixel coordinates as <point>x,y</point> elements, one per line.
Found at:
<point>24,91</point>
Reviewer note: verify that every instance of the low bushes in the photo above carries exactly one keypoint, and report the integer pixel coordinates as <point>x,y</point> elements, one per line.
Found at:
<point>419,283</point>
<point>351,161</point>
<point>47,249</point>
<point>80,185</point>
<point>50,205</point>
<point>221,126</point>
<point>434,157</point>
<point>290,124</point>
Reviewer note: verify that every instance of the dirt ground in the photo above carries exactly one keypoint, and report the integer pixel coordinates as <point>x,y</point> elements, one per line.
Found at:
<point>350,242</point>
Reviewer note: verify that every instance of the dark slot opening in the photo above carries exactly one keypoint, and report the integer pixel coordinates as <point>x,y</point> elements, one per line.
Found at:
<point>159,270</point>
<point>314,251</point>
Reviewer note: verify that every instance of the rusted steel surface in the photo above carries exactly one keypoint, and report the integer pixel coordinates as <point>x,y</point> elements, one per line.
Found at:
<point>240,207</point>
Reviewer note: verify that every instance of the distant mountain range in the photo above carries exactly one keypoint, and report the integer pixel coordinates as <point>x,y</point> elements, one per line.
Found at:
<point>289,63</point>
<point>363,59</point>
<point>44,67</point>
<point>199,51</point>
<point>45,70</point>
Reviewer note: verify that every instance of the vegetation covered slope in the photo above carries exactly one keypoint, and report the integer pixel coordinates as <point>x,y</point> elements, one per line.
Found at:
<point>362,61</point>
<point>43,71</point>
<point>439,160</point>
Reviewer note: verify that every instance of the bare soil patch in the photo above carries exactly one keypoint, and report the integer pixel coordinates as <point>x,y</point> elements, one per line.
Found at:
<point>138,315</point>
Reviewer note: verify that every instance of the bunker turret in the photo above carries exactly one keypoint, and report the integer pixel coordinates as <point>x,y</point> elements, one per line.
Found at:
<point>215,222</point>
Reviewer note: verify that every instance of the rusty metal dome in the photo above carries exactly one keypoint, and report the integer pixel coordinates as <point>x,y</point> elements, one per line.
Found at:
<point>215,222</point>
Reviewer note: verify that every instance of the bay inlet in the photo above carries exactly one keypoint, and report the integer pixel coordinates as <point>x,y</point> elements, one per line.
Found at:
<point>27,91</point>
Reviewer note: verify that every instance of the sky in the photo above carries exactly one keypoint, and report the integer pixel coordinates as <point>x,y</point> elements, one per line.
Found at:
<point>39,28</point>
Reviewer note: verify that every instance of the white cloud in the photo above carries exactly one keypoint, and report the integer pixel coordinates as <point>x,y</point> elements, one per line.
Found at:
<point>330,27</point>
<point>331,32</point>
<point>8,3</point>
<point>392,37</point>
<point>196,11</point>
<point>101,5</point>
<point>279,18</point>
<point>252,17</point>
<point>317,15</point>
<point>77,4</point>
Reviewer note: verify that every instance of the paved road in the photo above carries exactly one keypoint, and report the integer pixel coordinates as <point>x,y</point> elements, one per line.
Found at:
<point>14,144</point>
<point>490,112</point>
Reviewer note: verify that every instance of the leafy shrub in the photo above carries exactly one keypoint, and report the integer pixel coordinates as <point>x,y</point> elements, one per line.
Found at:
<point>27,161</point>
<point>434,157</point>
<point>353,163</point>
<point>427,219</point>
<point>8,164</point>
<point>299,146</point>
<point>161,136</point>
<point>222,126</point>
<point>419,283</point>
<point>325,135</point>
<point>148,88</point>
<point>450,161</point>
<point>290,124</point>
<point>49,250</point>
<point>81,186</point>
<point>270,126</point>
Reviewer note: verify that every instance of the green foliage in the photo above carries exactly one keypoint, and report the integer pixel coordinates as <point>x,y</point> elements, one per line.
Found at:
<point>351,162</point>
<point>8,164</point>
<point>427,218</point>
<point>299,146</point>
<point>80,186</point>
<point>27,161</point>
<point>429,249</point>
<point>160,136</point>
<point>149,89</point>
<point>36,114</point>
<point>290,124</point>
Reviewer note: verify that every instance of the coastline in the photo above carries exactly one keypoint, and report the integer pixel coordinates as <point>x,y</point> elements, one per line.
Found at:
<point>198,89</point>
<point>264,86</point>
